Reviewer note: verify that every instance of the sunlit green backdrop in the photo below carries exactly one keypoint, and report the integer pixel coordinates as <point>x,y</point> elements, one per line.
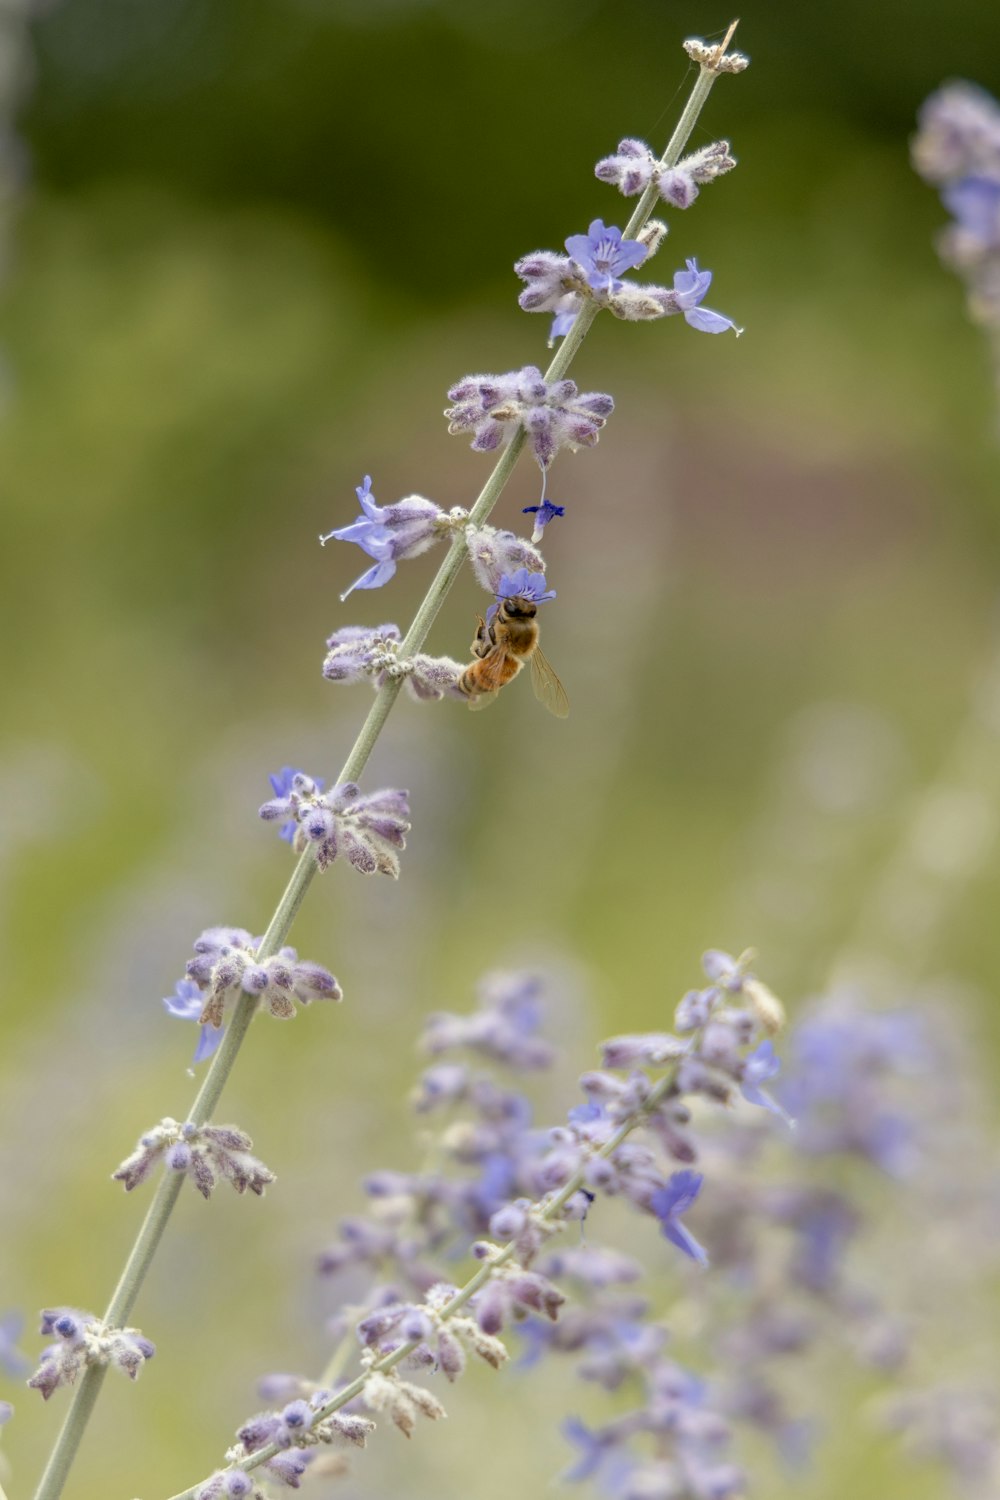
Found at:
<point>256,244</point>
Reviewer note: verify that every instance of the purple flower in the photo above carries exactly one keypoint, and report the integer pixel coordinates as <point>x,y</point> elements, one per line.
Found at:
<point>602,254</point>
<point>187,1004</point>
<point>594,1447</point>
<point>389,533</point>
<point>543,514</point>
<point>690,287</point>
<point>759,1066</point>
<point>669,1202</point>
<point>520,585</point>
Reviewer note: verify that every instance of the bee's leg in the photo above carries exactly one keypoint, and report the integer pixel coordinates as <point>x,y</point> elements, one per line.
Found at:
<point>482,641</point>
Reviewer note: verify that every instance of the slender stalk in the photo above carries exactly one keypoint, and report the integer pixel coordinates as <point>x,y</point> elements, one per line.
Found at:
<point>141,1255</point>
<point>546,1212</point>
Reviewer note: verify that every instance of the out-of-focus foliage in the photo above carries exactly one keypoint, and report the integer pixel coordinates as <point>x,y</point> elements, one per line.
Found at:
<point>256,244</point>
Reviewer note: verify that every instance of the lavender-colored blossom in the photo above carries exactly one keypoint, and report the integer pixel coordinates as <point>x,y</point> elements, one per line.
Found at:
<point>759,1067</point>
<point>6,1410</point>
<point>543,514</point>
<point>975,204</point>
<point>553,414</point>
<point>187,1004</point>
<point>690,287</point>
<point>669,1203</point>
<point>11,1358</point>
<point>389,533</point>
<point>602,255</point>
<point>503,1027</point>
<point>520,585</point>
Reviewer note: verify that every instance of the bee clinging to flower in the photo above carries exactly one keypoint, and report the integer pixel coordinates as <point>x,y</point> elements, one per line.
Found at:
<point>506,639</point>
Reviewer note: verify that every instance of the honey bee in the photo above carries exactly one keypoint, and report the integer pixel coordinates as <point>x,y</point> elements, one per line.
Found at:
<point>501,648</point>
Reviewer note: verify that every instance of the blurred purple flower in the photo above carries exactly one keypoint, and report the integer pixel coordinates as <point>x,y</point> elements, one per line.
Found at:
<point>187,1004</point>
<point>759,1066</point>
<point>11,1358</point>
<point>668,1203</point>
<point>975,204</point>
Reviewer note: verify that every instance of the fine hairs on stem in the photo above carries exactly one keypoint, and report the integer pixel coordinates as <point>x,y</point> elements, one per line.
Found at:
<point>711,62</point>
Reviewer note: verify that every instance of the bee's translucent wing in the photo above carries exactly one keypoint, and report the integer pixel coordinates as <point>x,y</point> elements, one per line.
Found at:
<point>547,687</point>
<point>483,700</point>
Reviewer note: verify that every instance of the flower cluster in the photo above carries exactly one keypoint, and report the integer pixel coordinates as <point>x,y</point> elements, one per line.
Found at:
<point>553,414</point>
<point>494,554</point>
<point>82,1340</point>
<point>390,533</point>
<point>356,652</point>
<point>225,967</point>
<point>633,167</point>
<point>202,1152</point>
<point>957,148</point>
<point>367,828</point>
<point>591,271</point>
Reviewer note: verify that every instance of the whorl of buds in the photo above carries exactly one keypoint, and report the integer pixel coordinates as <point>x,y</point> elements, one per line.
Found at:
<point>82,1340</point>
<point>204,1153</point>
<point>355,652</point>
<point>554,414</point>
<point>367,828</point>
<point>225,967</point>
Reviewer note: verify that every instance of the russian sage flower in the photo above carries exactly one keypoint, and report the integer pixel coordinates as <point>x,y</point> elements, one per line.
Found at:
<point>355,652</point>
<point>602,254</point>
<point>633,167</point>
<point>544,513</point>
<point>520,585</point>
<point>493,553</point>
<point>82,1340</point>
<point>187,1004</point>
<point>392,532</point>
<point>368,828</point>
<point>202,1152</point>
<point>554,414</point>
<point>11,1358</point>
<point>225,967</point>
<point>690,287</point>
<point>957,148</point>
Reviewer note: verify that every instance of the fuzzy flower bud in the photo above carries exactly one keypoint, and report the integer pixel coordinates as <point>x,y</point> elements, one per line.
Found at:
<point>367,828</point>
<point>203,1153</point>
<point>224,968</point>
<point>82,1340</point>
<point>553,414</point>
<point>494,553</point>
<point>354,653</point>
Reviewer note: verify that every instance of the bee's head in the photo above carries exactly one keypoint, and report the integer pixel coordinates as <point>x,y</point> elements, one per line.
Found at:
<point>519,607</point>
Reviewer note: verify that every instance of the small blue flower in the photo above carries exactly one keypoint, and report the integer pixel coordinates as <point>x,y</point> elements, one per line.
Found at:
<point>602,254</point>
<point>563,321</point>
<point>759,1066</point>
<point>690,287</point>
<point>543,514</point>
<point>595,1447</point>
<point>187,1003</point>
<point>672,1200</point>
<point>520,585</point>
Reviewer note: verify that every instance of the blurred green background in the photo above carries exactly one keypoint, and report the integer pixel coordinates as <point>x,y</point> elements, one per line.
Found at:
<point>255,245</point>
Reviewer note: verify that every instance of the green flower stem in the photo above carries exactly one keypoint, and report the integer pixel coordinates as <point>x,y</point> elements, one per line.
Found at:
<point>145,1247</point>
<point>544,1213</point>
